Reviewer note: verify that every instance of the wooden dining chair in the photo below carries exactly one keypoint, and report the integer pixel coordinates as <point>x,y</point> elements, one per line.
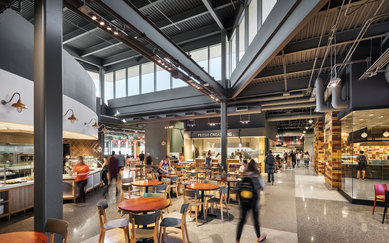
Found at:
<point>151,221</point>
<point>57,226</point>
<point>191,197</point>
<point>175,222</point>
<point>175,184</point>
<point>379,193</point>
<point>112,224</point>
<point>222,200</point>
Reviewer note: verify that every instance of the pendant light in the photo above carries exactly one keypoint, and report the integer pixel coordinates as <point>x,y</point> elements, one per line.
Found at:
<point>18,105</point>
<point>71,118</point>
<point>386,133</point>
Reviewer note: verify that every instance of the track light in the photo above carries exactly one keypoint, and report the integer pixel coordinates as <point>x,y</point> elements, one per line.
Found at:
<point>109,27</point>
<point>102,23</point>
<point>71,118</point>
<point>364,135</point>
<point>115,32</point>
<point>386,134</point>
<point>18,105</point>
<point>94,17</point>
<point>310,121</point>
<point>306,128</point>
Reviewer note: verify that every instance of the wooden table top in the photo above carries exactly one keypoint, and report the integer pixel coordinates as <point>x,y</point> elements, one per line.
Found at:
<point>172,175</point>
<point>228,179</point>
<point>144,204</point>
<point>202,186</point>
<point>149,183</point>
<point>24,237</point>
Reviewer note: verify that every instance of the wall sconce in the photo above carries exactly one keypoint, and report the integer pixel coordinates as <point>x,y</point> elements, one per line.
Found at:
<point>71,118</point>
<point>95,125</point>
<point>18,105</point>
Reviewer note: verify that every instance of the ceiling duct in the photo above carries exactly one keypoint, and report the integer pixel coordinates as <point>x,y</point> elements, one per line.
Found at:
<point>321,106</point>
<point>242,108</point>
<point>337,101</point>
<point>288,107</point>
<point>212,111</point>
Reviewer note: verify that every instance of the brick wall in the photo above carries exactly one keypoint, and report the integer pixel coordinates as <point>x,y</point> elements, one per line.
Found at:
<point>318,147</point>
<point>333,150</point>
<point>371,152</point>
<point>84,147</point>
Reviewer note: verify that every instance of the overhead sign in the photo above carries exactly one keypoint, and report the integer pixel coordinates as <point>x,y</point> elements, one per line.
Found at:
<point>214,134</point>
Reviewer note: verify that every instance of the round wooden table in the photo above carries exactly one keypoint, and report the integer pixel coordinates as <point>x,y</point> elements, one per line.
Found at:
<point>146,184</point>
<point>171,175</point>
<point>228,180</point>
<point>24,237</point>
<point>202,187</point>
<point>144,204</point>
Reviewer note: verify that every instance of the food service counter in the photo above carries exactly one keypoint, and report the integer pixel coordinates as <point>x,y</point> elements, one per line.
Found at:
<point>375,169</point>
<point>70,191</point>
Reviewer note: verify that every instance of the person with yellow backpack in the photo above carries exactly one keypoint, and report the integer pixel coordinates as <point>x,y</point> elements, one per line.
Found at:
<point>249,189</point>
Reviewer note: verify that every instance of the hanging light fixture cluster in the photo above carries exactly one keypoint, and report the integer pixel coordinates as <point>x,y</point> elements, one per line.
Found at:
<point>191,123</point>
<point>245,121</point>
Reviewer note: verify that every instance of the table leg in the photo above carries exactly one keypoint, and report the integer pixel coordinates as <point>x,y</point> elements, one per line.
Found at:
<point>147,189</point>
<point>228,191</point>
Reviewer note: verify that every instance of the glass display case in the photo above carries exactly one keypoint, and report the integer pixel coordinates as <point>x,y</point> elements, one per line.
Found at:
<point>16,163</point>
<point>364,131</point>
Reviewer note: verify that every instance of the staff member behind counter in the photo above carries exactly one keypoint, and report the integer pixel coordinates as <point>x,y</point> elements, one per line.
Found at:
<point>81,180</point>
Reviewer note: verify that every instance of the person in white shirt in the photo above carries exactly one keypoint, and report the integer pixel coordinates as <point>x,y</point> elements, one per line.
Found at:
<point>242,168</point>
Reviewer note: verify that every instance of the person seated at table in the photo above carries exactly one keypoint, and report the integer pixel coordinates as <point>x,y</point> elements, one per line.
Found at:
<point>181,158</point>
<point>165,166</point>
<point>242,168</point>
<point>219,158</point>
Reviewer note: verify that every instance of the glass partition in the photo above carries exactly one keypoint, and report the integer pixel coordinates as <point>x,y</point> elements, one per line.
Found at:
<point>364,131</point>
<point>120,83</point>
<point>108,86</point>
<point>201,57</point>
<point>253,19</point>
<point>215,61</point>
<point>163,79</point>
<point>147,77</point>
<point>133,80</point>
<point>242,44</point>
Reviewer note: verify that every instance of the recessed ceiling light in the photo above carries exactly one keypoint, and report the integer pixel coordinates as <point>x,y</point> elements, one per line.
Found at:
<point>361,119</point>
<point>371,114</point>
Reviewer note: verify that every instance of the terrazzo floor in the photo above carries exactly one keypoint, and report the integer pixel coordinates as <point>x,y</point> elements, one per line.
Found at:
<point>298,208</point>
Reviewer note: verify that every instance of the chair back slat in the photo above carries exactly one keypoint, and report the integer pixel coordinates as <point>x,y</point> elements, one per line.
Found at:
<point>184,208</point>
<point>145,219</point>
<point>160,188</point>
<point>57,226</point>
<point>101,206</point>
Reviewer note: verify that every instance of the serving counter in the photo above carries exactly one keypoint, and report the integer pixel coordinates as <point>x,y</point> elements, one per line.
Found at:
<point>375,169</point>
<point>19,196</point>
<point>70,191</point>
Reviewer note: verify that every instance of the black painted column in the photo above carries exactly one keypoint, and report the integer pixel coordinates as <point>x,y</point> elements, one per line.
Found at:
<point>47,112</point>
<point>223,127</point>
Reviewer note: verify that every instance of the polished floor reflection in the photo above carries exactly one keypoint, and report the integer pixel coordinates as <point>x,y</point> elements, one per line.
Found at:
<point>298,208</point>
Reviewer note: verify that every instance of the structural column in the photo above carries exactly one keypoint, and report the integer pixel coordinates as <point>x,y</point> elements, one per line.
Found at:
<point>48,112</point>
<point>223,127</point>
